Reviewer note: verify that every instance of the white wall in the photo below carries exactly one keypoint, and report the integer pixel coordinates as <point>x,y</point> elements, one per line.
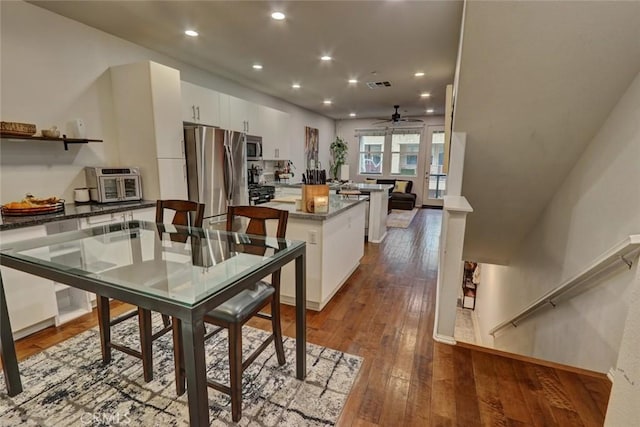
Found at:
<point>346,129</point>
<point>596,207</point>
<point>625,393</point>
<point>54,70</point>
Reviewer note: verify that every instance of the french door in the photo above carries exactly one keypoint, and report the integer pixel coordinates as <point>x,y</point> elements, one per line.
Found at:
<point>435,184</point>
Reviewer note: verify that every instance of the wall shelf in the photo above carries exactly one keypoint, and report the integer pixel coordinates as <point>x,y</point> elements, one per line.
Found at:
<point>63,139</point>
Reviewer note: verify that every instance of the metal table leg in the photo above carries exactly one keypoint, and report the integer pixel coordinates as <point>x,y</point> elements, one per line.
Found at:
<point>301,318</point>
<point>7,348</point>
<point>195,371</point>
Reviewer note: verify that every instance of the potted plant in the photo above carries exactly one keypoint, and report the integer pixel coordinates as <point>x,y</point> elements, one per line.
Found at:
<point>338,150</point>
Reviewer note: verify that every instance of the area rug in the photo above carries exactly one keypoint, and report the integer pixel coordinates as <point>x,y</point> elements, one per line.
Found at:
<point>67,385</point>
<point>400,218</point>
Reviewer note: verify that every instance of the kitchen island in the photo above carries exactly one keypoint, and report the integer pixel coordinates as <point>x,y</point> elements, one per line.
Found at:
<point>378,207</point>
<point>335,245</point>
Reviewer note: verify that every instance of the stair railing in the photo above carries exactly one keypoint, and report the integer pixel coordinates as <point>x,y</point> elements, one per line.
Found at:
<point>618,256</point>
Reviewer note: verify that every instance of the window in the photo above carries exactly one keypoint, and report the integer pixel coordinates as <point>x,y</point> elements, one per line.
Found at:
<point>389,152</point>
<point>404,153</point>
<point>371,151</point>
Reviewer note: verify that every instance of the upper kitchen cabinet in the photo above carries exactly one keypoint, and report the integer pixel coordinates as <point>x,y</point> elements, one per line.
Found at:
<point>273,129</point>
<point>148,117</point>
<point>200,105</point>
<point>148,110</point>
<point>238,114</point>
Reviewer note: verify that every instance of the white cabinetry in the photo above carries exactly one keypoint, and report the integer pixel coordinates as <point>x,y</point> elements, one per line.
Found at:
<point>30,299</point>
<point>272,126</point>
<point>70,302</point>
<point>200,105</point>
<point>238,114</point>
<point>148,112</point>
<point>147,214</point>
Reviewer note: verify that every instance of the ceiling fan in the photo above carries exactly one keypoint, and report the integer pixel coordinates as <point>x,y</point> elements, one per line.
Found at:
<point>396,118</point>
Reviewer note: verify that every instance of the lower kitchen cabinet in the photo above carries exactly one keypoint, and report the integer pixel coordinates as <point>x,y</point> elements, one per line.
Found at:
<point>35,303</point>
<point>31,300</point>
<point>70,302</point>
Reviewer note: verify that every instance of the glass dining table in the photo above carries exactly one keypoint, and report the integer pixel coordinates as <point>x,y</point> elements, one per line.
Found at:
<point>192,271</point>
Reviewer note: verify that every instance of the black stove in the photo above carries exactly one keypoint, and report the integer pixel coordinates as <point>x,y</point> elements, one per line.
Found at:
<point>261,193</point>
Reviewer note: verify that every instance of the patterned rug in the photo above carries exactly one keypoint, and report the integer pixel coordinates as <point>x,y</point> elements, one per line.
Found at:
<point>400,218</point>
<point>67,385</point>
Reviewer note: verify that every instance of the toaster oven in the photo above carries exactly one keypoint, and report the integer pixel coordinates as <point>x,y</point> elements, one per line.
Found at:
<point>113,184</point>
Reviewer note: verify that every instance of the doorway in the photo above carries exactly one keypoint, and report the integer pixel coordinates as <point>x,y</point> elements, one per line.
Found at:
<point>435,184</point>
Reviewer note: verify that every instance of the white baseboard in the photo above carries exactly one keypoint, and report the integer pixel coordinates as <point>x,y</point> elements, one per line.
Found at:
<point>319,305</point>
<point>611,374</point>
<point>444,339</point>
<point>380,240</point>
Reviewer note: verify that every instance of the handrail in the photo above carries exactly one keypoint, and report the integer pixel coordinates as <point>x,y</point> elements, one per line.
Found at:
<point>619,252</point>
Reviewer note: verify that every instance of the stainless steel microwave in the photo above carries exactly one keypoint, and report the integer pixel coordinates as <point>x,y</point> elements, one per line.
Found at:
<point>254,147</point>
<point>113,184</point>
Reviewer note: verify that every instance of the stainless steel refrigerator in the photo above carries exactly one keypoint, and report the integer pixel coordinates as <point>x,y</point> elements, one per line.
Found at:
<point>216,169</point>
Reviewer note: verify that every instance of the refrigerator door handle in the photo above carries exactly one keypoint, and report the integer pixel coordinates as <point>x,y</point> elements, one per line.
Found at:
<point>233,172</point>
<point>202,159</point>
<point>227,165</point>
<point>230,172</point>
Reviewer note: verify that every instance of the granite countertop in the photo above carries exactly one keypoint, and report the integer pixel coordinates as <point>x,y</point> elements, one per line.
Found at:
<point>337,205</point>
<point>281,184</point>
<point>72,210</point>
<point>366,187</point>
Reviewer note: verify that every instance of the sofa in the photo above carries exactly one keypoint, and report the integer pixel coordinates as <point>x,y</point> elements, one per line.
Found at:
<point>400,200</point>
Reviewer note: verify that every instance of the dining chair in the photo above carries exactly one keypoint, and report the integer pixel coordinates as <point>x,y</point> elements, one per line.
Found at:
<point>234,313</point>
<point>186,213</point>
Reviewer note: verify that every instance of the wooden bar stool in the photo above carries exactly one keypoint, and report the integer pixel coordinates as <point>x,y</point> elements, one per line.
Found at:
<point>235,312</point>
<point>186,213</point>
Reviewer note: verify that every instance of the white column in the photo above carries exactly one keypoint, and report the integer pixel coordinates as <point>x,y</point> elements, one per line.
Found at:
<point>454,221</point>
<point>378,206</point>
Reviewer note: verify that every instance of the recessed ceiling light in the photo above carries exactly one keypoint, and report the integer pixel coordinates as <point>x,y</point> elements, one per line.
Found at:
<point>326,58</point>
<point>295,86</point>
<point>257,66</point>
<point>191,33</point>
<point>278,16</point>
<point>353,81</point>
<point>419,74</point>
<point>429,110</point>
<point>352,114</point>
<point>425,95</point>
<point>327,102</point>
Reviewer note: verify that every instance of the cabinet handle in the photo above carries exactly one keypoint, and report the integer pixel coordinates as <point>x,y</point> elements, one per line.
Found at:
<point>198,110</point>
<point>277,153</point>
<point>193,112</point>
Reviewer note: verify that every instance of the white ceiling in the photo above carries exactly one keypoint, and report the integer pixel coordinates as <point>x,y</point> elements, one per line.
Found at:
<point>394,39</point>
<point>537,81</point>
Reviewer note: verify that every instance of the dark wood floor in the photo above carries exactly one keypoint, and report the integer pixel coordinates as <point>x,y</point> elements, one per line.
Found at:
<point>385,314</point>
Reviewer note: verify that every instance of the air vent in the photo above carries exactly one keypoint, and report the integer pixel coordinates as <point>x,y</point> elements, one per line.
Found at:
<point>376,85</point>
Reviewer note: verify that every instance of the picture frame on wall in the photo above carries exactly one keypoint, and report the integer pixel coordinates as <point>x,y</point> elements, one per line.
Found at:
<point>311,143</point>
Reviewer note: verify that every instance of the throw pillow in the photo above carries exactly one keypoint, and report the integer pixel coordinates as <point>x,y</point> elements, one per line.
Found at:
<point>370,181</point>
<point>400,187</point>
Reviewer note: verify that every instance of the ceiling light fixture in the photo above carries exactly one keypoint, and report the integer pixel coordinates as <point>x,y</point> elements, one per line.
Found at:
<point>327,102</point>
<point>425,95</point>
<point>326,58</point>
<point>191,33</point>
<point>257,67</point>
<point>352,114</point>
<point>278,16</point>
<point>419,74</point>
<point>353,81</point>
<point>295,86</point>
<point>429,110</point>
